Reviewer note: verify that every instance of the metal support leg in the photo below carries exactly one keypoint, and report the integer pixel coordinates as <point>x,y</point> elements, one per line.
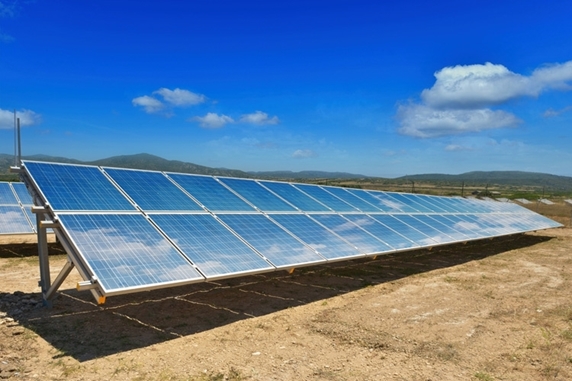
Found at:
<point>45,281</point>
<point>65,271</point>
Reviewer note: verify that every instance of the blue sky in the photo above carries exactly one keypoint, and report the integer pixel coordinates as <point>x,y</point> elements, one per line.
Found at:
<point>378,89</point>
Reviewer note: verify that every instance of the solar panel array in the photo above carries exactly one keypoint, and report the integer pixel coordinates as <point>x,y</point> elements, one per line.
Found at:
<point>136,229</point>
<point>15,209</point>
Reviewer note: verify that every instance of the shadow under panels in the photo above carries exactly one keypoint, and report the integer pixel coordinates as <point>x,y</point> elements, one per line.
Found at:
<point>139,230</point>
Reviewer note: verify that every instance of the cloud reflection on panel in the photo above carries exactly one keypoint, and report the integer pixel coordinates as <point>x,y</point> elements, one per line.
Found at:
<point>125,251</point>
<point>389,204</point>
<point>392,238</point>
<point>404,229</point>
<point>13,221</point>
<point>272,241</point>
<point>209,245</point>
<point>366,243</point>
<point>316,236</point>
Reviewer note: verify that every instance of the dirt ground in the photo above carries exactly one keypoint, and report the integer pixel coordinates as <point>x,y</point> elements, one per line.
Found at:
<point>496,309</point>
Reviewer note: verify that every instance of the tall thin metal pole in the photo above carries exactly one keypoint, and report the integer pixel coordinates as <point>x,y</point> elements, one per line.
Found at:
<point>19,145</point>
<point>15,140</point>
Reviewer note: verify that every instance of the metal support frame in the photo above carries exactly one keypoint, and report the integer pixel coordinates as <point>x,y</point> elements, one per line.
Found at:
<point>48,288</point>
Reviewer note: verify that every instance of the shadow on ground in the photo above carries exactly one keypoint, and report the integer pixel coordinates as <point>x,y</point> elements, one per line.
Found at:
<point>77,327</point>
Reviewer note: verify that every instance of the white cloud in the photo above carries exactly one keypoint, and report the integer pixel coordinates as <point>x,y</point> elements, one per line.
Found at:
<point>477,86</point>
<point>27,118</point>
<point>150,104</point>
<point>259,118</point>
<point>551,112</point>
<point>425,122</point>
<point>457,148</point>
<point>180,97</point>
<point>212,120</point>
<point>304,153</point>
<point>459,102</point>
<point>172,98</point>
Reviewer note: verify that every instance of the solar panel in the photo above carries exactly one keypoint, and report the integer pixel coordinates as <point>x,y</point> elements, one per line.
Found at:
<point>163,195</point>
<point>211,193</point>
<point>257,195</point>
<point>13,220</point>
<point>124,251</point>
<point>76,187</point>
<point>280,247</point>
<point>394,223</point>
<point>13,214</point>
<point>352,199</point>
<point>214,249</point>
<point>22,193</point>
<point>389,204</point>
<point>317,236</point>
<point>295,197</point>
<point>131,230</point>
<point>326,198</point>
<point>7,197</point>
<point>365,242</point>
<point>391,237</point>
<point>427,229</point>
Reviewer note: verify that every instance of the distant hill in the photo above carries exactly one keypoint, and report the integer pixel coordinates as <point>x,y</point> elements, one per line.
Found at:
<point>152,162</point>
<point>505,178</point>
<point>306,175</point>
<point>138,161</point>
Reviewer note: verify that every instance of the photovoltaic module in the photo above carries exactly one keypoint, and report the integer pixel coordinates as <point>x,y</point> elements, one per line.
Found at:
<point>132,230</point>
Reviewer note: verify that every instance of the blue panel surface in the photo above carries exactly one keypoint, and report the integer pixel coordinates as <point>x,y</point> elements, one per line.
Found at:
<point>257,195</point>
<point>448,205</point>
<point>365,242</point>
<point>435,234</point>
<point>326,198</point>
<point>209,245</point>
<point>23,193</point>
<point>152,190</point>
<point>389,204</point>
<point>295,197</point>
<point>316,236</point>
<point>488,227</point>
<point>282,249</point>
<point>391,237</point>
<point>13,220</point>
<point>124,251</point>
<point>6,195</point>
<point>444,228</point>
<point>352,199</point>
<point>430,204</point>
<point>209,192</point>
<point>409,200</point>
<point>467,225</point>
<point>75,187</point>
<point>404,229</point>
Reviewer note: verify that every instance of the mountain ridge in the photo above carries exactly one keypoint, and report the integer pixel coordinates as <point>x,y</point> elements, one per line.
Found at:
<point>151,162</point>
